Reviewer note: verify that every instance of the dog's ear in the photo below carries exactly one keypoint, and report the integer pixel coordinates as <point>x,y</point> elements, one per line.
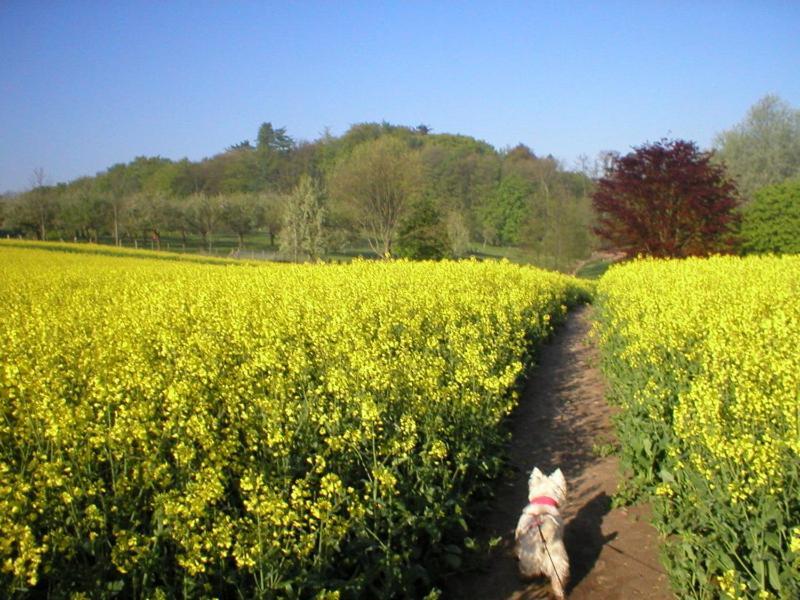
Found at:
<point>557,477</point>
<point>536,474</point>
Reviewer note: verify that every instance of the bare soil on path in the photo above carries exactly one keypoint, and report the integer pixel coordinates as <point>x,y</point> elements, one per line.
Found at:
<point>563,421</point>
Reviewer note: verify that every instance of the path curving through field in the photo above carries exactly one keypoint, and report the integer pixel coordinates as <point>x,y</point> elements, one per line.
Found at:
<point>563,421</point>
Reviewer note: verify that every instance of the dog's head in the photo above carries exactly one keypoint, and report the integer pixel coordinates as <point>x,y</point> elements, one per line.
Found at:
<point>552,486</point>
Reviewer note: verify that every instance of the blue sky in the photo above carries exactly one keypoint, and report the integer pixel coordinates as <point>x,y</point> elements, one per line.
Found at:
<point>84,85</point>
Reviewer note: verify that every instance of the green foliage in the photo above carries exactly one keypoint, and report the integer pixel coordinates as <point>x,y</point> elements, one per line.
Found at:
<point>701,357</point>
<point>83,213</point>
<point>374,186</point>
<point>374,171</point>
<point>460,173</point>
<point>771,223</point>
<point>302,235</point>
<point>505,211</point>
<point>457,234</point>
<point>273,140</point>
<point>423,235</point>
<point>763,149</point>
<point>237,171</point>
<point>593,269</point>
<point>203,214</point>
<point>36,212</point>
<point>242,213</point>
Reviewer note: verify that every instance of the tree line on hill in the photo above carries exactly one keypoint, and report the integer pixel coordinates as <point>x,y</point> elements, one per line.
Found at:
<point>403,191</point>
<point>406,191</point>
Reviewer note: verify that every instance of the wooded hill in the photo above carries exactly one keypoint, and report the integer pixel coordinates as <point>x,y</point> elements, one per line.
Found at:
<point>378,188</point>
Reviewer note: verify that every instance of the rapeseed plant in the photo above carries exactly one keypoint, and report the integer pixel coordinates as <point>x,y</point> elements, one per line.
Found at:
<point>702,355</point>
<point>180,429</point>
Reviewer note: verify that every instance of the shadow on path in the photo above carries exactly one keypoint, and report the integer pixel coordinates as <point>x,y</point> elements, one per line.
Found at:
<point>584,538</point>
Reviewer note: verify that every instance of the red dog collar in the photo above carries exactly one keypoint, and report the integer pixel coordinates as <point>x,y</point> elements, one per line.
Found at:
<point>546,500</point>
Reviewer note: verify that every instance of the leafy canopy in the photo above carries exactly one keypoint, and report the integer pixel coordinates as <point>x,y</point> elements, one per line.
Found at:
<point>666,199</point>
<point>764,148</point>
<point>423,235</point>
<point>771,223</point>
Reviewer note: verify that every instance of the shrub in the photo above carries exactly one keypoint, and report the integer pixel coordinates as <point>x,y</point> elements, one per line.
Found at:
<point>771,223</point>
<point>423,235</point>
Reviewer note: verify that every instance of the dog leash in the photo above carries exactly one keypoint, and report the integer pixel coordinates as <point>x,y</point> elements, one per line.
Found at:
<point>546,549</point>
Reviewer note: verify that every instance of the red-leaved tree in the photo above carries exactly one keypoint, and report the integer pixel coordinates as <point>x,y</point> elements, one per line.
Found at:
<point>666,199</point>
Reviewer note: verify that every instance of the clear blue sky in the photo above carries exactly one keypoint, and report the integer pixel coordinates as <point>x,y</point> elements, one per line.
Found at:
<point>84,85</point>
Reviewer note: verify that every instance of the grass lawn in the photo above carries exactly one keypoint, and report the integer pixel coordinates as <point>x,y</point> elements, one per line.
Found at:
<point>593,269</point>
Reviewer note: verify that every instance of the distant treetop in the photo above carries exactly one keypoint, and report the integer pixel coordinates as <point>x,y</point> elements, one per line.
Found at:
<point>764,148</point>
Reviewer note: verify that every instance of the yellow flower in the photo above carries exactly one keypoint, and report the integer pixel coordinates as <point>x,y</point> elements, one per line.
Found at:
<point>246,414</point>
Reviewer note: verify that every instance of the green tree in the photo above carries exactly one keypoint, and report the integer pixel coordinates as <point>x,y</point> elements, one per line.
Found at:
<point>237,171</point>
<point>276,140</point>
<point>423,234</point>
<point>241,212</point>
<point>177,215</point>
<point>84,213</point>
<point>203,214</point>
<point>117,185</point>
<point>270,214</point>
<point>149,215</point>
<point>504,212</point>
<point>764,148</point>
<point>558,227</point>
<point>5,202</point>
<point>305,158</point>
<point>506,215</point>
<point>244,145</point>
<point>272,152</point>
<point>37,210</point>
<point>460,174</point>
<point>302,235</point>
<point>42,205</point>
<point>374,186</point>
<point>457,233</point>
<point>771,222</point>
<point>185,178</point>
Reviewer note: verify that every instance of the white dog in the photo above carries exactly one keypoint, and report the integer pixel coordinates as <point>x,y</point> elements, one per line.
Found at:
<point>540,531</point>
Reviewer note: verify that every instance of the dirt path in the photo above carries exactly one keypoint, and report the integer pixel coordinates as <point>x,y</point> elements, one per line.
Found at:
<point>562,421</point>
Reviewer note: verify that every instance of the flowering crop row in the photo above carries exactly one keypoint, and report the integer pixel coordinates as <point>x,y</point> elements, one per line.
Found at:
<point>119,251</point>
<point>253,431</point>
<point>703,356</point>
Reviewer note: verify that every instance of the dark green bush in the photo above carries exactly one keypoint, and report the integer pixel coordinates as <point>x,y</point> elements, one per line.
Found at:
<point>772,222</point>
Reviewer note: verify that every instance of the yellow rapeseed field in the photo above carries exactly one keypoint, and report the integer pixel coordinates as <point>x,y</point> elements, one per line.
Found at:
<point>185,429</point>
<point>703,355</point>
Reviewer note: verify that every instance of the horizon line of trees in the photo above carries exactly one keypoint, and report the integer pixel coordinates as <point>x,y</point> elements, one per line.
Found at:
<point>405,191</point>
